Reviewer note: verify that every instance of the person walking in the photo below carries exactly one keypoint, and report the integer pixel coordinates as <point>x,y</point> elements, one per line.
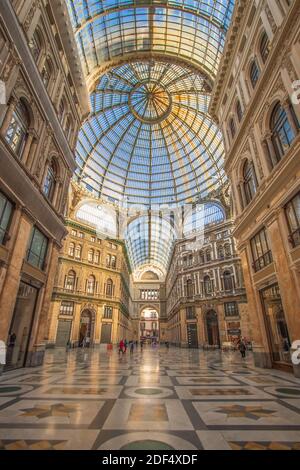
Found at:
<point>242,348</point>
<point>121,347</point>
<point>131,347</point>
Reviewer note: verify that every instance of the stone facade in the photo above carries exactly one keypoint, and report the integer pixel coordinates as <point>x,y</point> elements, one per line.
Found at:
<point>43,102</point>
<point>255,101</point>
<point>205,293</point>
<point>91,296</point>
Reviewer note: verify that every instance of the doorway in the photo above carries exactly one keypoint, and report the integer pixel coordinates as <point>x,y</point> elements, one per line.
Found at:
<point>63,333</point>
<point>277,329</point>
<point>192,335</point>
<point>86,328</point>
<point>21,325</point>
<point>149,325</point>
<point>212,329</point>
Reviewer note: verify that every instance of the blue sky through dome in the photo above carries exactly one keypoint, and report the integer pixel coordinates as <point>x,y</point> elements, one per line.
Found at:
<point>150,66</point>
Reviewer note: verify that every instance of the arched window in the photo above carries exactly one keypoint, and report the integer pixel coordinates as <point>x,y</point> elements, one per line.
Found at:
<point>49,183</point>
<point>61,110</point>
<point>208,255</point>
<point>78,251</point>
<point>207,285</point>
<point>227,280</point>
<point>97,257</point>
<point>221,252</point>
<point>189,288</point>
<point>71,249</point>
<point>68,127</point>
<point>46,72</point>
<point>254,73</point>
<point>113,261</point>
<point>250,185</point>
<point>232,127</point>
<point>282,132</point>
<point>70,280</point>
<point>201,257</point>
<point>18,128</point>
<point>227,250</point>
<point>91,256</point>
<point>109,287</point>
<point>239,111</point>
<point>35,45</point>
<point>264,47</point>
<point>90,284</point>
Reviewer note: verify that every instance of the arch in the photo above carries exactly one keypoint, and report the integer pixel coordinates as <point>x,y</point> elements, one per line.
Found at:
<point>264,46</point>
<point>254,72</point>
<point>149,324</point>
<point>212,328</point>
<point>18,128</point>
<point>207,285</point>
<point>109,288</point>
<point>70,280</point>
<point>37,44</point>
<point>149,276</point>
<point>282,133</point>
<point>86,327</point>
<point>91,284</point>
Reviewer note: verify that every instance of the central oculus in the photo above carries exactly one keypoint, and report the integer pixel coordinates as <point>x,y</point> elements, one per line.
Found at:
<point>150,102</point>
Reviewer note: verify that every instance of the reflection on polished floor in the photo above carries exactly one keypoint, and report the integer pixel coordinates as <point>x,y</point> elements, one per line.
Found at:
<point>154,399</point>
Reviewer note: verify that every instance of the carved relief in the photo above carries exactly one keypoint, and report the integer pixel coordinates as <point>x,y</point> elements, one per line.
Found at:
<point>270,18</point>
<point>30,15</point>
<point>12,60</point>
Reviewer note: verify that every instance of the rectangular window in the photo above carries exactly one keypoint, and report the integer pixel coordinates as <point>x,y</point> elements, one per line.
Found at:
<point>261,253</point>
<point>66,308</point>
<point>93,239</point>
<point>80,234</point>
<point>37,250</point>
<point>74,233</point>
<point>292,211</point>
<point>190,313</point>
<point>6,210</point>
<point>108,312</point>
<point>231,309</point>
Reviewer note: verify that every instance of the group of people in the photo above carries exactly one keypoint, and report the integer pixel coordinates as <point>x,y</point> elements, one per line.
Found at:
<point>124,344</point>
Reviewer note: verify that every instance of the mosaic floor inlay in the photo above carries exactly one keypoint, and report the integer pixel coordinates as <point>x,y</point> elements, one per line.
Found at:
<point>157,399</point>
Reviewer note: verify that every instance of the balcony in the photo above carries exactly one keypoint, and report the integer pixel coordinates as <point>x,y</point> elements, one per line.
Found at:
<point>81,293</point>
<point>262,261</point>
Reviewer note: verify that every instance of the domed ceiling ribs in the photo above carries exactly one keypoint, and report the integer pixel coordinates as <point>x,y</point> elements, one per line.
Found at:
<point>150,66</point>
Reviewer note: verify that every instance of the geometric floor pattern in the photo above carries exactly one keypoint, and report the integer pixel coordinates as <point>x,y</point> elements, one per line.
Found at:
<point>155,399</point>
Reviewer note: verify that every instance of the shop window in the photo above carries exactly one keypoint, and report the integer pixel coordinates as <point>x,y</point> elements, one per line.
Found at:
<point>261,253</point>
<point>37,250</point>
<point>17,131</point>
<point>6,211</point>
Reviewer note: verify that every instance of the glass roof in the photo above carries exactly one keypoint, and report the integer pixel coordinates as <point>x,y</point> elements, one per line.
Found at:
<point>150,66</point>
<point>193,30</point>
<point>150,139</point>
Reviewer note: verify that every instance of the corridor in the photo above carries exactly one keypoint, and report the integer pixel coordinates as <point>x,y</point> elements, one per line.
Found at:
<point>154,399</point>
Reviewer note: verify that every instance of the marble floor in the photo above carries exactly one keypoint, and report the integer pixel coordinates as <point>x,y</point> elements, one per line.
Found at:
<point>154,399</point>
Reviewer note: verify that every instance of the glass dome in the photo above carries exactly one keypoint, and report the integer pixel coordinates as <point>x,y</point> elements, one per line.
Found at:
<point>149,139</point>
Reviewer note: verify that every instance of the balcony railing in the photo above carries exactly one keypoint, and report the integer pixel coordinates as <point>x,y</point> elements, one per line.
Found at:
<point>263,261</point>
<point>82,293</point>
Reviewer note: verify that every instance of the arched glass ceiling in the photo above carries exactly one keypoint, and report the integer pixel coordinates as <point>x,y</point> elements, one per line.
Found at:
<point>193,30</point>
<point>150,139</point>
<point>149,241</point>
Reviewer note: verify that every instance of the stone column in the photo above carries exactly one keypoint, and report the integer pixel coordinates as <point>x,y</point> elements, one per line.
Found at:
<point>76,323</point>
<point>286,281</point>
<point>9,114</point>
<point>41,333</point>
<point>13,273</point>
<point>267,157</point>
<point>27,148</point>
<point>271,149</point>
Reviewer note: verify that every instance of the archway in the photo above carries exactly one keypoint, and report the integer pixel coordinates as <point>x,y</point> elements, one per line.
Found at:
<point>86,329</point>
<point>212,328</point>
<point>149,325</point>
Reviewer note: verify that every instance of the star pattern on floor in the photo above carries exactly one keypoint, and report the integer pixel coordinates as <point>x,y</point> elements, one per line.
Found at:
<point>239,411</point>
<point>59,409</point>
<point>156,398</point>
